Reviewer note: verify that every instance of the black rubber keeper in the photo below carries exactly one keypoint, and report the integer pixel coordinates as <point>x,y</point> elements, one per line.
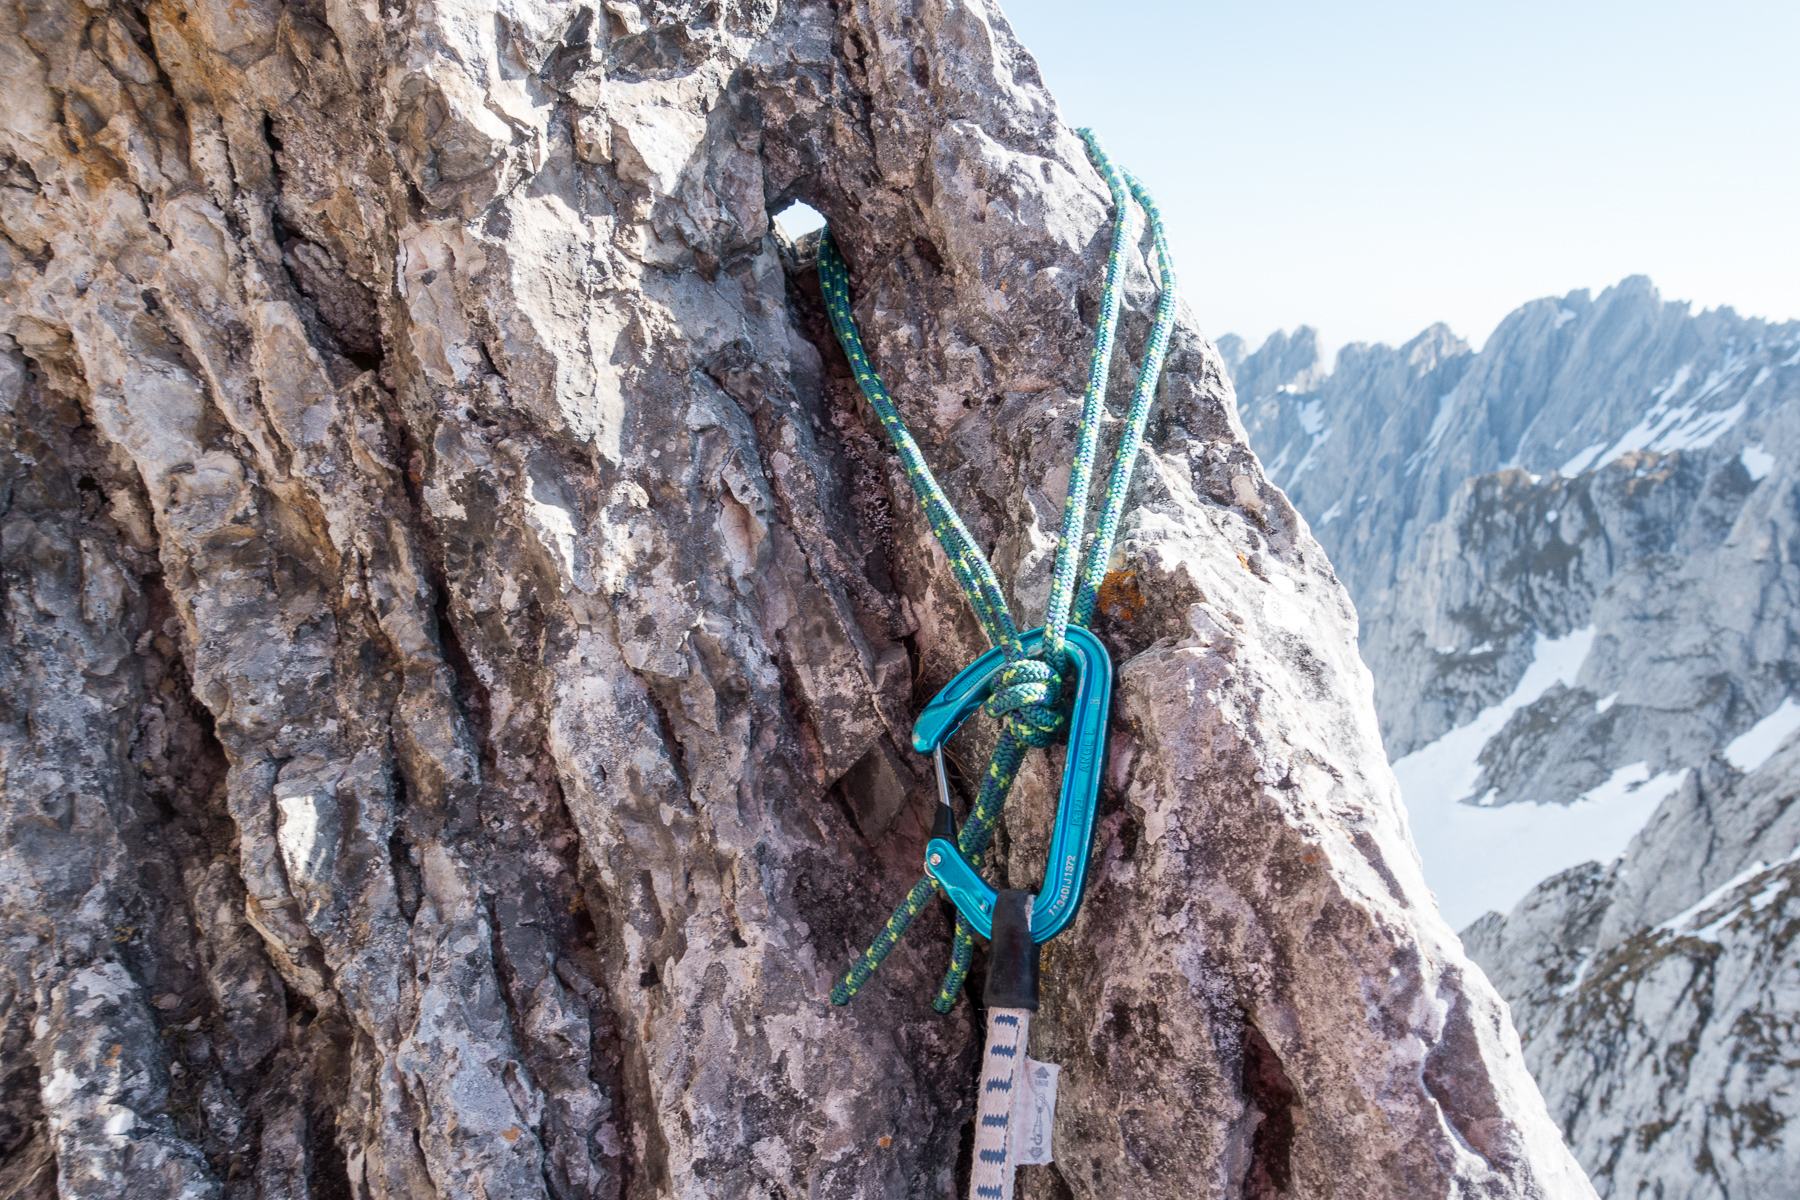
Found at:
<point>944,826</point>
<point>1012,978</point>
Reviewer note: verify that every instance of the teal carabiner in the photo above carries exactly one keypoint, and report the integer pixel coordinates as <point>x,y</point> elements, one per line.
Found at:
<point>1066,875</point>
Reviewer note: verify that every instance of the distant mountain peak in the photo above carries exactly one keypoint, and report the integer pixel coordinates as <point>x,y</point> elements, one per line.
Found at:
<point>1575,555</point>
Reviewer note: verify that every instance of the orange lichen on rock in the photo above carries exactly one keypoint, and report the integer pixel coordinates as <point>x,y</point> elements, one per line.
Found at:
<point>1119,596</point>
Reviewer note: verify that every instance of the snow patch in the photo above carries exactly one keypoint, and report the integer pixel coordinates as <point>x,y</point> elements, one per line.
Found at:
<point>1767,896</point>
<point>1563,317</point>
<point>1312,423</point>
<point>1668,426</point>
<point>1275,467</point>
<point>1331,514</point>
<point>1312,417</point>
<point>1605,703</point>
<point>1678,381</point>
<point>1574,985</point>
<point>1678,923</point>
<point>1632,779</point>
<point>1479,858</point>
<point>1582,461</point>
<point>1307,462</point>
<point>1440,422</point>
<point>1484,648</point>
<point>1680,428</point>
<point>1751,749</point>
<point>1448,768</point>
<point>1757,461</point>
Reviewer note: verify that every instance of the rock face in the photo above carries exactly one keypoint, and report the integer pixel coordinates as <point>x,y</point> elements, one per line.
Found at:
<point>1574,554</point>
<point>1657,993</point>
<point>1454,574</point>
<point>462,628</point>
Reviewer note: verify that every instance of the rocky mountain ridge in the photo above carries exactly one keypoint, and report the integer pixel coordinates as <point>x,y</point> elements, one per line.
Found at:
<point>461,628</point>
<point>1383,446</point>
<point>1574,559</point>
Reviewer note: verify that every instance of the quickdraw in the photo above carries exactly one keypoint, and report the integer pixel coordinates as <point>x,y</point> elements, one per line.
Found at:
<point>1020,682</point>
<point>1066,873</point>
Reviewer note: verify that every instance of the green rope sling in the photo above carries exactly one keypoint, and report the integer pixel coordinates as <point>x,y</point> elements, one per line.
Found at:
<point>1027,699</point>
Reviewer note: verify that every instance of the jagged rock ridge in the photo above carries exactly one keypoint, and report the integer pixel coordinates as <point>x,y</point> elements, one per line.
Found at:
<point>1574,559</point>
<point>1656,993</point>
<point>1384,455</point>
<point>462,626</point>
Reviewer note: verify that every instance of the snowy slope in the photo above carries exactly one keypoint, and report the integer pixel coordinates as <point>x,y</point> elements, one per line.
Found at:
<point>1436,479</point>
<point>1481,856</point>
<point>1656,995</point>
<point>1576,558</point>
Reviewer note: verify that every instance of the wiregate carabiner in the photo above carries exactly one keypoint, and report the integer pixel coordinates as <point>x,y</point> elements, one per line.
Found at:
<point>1065,875</point>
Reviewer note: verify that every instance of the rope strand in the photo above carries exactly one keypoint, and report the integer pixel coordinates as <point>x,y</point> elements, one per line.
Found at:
<point>1132,440</point>
<point>1028,698</point>
<point>1093,404</point>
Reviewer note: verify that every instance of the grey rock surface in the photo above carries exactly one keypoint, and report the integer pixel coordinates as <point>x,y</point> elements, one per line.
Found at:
<point>1387,457</point>
<point>461,630</point>
<point>1623,470</point>
<point>1656,994</point>
<point>1681,563</point>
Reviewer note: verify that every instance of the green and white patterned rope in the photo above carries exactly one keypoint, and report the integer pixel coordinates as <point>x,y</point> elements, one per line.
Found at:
<point>1093,573</point>
<point>1027,698</point>
<point>962,949</point>
<point>1093,407</point>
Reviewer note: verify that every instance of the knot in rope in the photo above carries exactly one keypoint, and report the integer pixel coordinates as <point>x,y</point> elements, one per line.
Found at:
<point>1026,695</point>
<point>1029,691</point>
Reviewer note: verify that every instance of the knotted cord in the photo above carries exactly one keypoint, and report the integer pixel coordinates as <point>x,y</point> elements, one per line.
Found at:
<point>1028,695</point>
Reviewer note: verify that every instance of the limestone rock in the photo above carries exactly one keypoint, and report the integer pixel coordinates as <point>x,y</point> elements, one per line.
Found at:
<point>1454,573</point>
<point>462,629</point>
<point>1614,477</point>
<point>1654,994</point>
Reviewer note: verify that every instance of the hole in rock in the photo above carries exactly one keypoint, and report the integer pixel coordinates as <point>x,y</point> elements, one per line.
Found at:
<point>798,219</point>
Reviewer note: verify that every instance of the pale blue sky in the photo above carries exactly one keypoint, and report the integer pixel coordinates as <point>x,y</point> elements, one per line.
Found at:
<point>1370,168</point>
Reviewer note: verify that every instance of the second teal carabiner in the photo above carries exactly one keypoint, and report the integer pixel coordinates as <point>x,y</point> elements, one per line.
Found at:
<point>1065,876</point>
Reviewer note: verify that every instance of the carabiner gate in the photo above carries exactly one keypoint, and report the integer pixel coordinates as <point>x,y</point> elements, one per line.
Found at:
<point>1066,874</point>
